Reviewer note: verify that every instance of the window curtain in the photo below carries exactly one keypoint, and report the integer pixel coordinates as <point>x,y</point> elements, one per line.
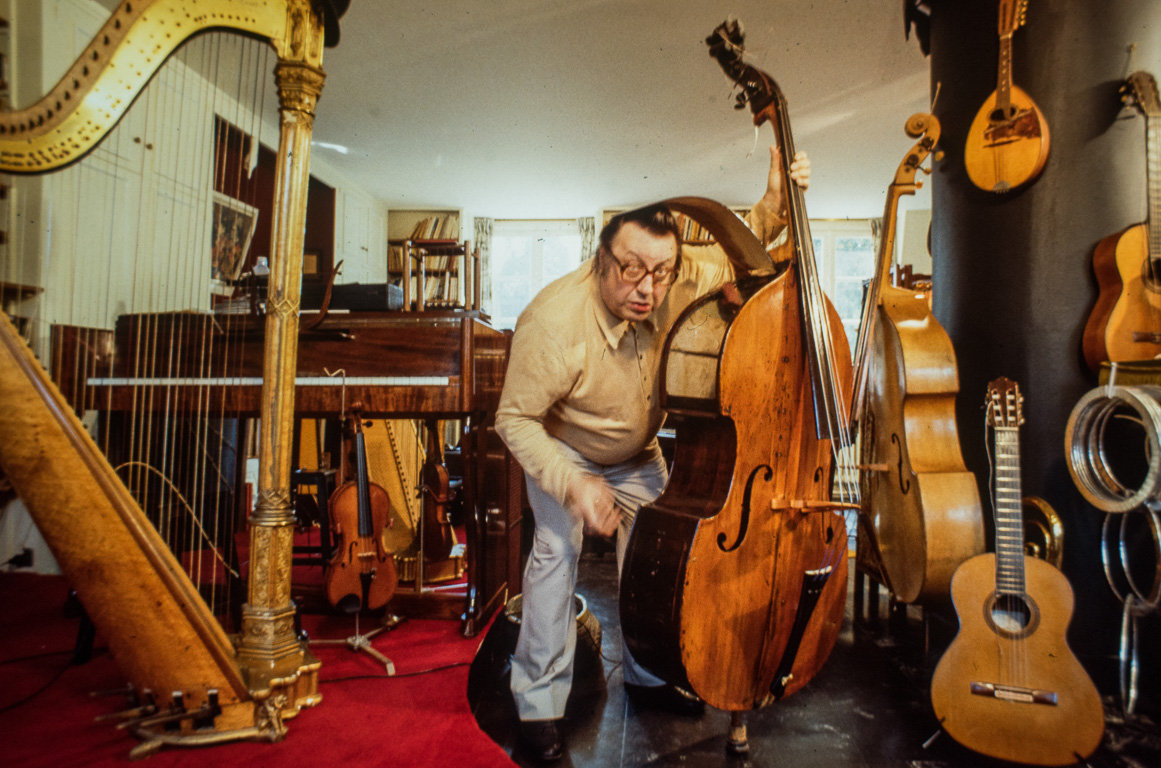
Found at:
<point>483,240</point>
<point>587,226</point>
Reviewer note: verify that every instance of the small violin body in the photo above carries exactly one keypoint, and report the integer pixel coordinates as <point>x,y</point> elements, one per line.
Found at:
<point>361,574</point>
<point>438,536</point>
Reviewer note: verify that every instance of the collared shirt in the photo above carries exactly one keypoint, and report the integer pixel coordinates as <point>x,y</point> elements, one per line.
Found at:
<point>579,374</point>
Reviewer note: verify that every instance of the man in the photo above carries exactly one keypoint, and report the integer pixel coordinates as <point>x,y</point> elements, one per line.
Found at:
<point>580,412</point>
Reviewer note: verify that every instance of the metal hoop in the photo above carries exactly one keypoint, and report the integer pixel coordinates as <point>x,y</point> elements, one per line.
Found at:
<point>1143,604</point>
<point>1084,446</point>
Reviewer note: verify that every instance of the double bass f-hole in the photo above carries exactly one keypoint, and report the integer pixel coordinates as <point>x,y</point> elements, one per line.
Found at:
<point>744,523</point>
<point>904,485</point>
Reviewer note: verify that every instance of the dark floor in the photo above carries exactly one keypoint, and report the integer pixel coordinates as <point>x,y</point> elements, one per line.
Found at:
<point>867,708</point>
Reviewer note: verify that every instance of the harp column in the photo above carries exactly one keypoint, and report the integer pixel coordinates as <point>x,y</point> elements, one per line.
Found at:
<point>269,648</point>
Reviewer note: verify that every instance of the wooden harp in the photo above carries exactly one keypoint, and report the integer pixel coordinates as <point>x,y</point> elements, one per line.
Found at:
<point>195,681</point>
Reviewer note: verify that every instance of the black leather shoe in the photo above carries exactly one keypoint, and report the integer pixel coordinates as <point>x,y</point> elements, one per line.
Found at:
<point>665,698</point>
<point>540,740</point>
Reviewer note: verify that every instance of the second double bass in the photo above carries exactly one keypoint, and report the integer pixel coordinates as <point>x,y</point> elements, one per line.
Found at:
<point>734,582</point>
<point>920,502</point>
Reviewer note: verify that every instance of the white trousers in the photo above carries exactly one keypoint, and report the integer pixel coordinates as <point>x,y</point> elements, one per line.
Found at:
<point>542,666</point>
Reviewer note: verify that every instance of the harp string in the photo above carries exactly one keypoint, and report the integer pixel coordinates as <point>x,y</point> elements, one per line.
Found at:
<point>99,250</point>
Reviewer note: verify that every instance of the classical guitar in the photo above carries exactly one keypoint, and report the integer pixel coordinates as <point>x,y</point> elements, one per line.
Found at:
<point>1125,323</point>
<point>1007,144</point>
<point>1008,685</point>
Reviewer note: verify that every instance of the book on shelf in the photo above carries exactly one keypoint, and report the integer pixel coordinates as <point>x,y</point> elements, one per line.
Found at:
<point>437,228</point>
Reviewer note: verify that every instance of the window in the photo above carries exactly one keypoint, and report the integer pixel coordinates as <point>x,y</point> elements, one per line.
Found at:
<point>845,254</point>
<point>526,256</point>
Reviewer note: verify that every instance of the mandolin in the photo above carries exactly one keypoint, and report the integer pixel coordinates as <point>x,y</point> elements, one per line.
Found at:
<point>1125,323</point>
<point>1007,144</point>
<point>920,504</point>
<point>1008,685</point>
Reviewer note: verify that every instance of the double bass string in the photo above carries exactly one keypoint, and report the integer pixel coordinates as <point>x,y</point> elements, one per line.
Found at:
<point>831,410</point>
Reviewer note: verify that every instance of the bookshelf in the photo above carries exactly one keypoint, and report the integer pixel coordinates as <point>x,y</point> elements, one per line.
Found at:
<point>437,270</point>
<point>439,273</point>
<point>418,224</point>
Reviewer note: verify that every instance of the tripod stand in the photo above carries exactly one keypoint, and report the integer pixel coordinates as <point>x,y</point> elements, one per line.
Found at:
<point>362,642</point>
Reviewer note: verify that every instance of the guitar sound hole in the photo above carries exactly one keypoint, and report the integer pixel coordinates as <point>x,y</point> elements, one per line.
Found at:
<point>1151,274</point>
<point>1010,613</point>
<point>1003,115</point>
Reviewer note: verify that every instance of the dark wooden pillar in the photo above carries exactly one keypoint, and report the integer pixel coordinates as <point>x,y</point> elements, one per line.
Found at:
<point>1013,272</point>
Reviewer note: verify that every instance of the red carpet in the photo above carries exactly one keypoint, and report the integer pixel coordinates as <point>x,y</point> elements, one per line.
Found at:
<point>417,718</point>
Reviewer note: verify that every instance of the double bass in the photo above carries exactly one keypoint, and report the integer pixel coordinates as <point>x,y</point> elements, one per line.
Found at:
<point>920,504</point>
<point>361,573</point>
<point>734,580</point>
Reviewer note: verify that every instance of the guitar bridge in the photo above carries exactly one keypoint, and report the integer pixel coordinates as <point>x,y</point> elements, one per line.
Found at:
<point>1147,337</point>
<point>1014,693</point>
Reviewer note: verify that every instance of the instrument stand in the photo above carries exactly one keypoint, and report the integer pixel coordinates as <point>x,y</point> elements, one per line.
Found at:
<point>362,642</point>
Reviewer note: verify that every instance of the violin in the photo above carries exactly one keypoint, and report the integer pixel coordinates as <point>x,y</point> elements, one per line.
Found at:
<point>734,580</point>
<point>361,573</point>
<point>438,535</point>
<point>920,504</point>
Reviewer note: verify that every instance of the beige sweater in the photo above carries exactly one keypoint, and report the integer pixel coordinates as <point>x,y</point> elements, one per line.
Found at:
<point>581,375</point>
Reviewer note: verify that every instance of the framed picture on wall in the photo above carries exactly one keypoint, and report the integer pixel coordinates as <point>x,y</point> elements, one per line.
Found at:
<point>233,230</point>
<point>311,262</point>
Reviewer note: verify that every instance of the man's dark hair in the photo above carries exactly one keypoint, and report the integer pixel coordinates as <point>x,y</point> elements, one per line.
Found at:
<point>655,219</point>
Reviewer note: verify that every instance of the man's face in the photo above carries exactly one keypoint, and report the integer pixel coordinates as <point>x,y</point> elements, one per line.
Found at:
<point>633,244</point>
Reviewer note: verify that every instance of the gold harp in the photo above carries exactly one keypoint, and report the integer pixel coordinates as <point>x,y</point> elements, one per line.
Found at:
<point>196,683</point>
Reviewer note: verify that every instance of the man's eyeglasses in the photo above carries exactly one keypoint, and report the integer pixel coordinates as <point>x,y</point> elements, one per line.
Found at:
<point>634,273</point>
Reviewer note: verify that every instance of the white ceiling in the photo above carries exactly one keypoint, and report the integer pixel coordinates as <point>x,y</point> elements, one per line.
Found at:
<point>558,108</point>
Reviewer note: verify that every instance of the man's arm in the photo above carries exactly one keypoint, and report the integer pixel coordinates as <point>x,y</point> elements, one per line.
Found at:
<point>768,216</point>
<point>537,378</point>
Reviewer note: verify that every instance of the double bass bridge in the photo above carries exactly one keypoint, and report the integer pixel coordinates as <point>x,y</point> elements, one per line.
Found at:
<point>811,505</point>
